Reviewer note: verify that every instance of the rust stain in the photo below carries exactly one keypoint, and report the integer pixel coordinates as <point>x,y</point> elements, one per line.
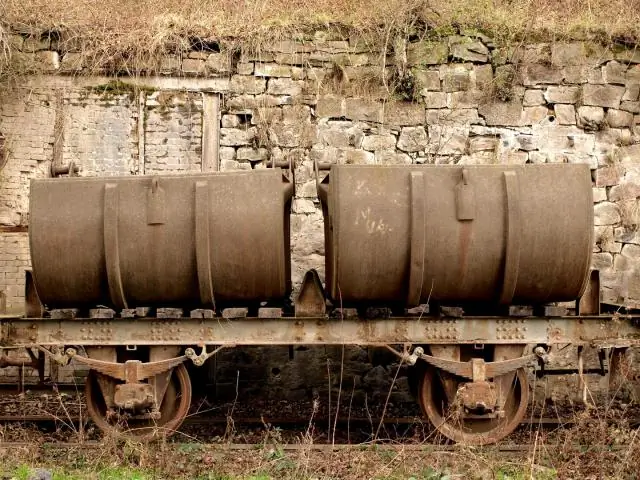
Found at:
<point>555,334</point>
<point>464,241</point>
<point>298,330</point>
<point>367,331</point>
<point>401,331</point>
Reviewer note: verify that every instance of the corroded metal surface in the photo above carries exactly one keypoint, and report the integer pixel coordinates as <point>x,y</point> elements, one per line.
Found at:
<point>589,303</point>
<point>168,418</point>
<point>131,371</point>
<point>477,369</point>
<point>310,301</point>
<point>446,415</point>
<point>603,331</point>
<point>167,240</point>
<point>492,233</point>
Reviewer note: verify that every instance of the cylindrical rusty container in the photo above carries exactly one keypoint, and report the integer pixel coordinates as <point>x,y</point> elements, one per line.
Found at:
<point>492,233</point>
<point>161,240</point>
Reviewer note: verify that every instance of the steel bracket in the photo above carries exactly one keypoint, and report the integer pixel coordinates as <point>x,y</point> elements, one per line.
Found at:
<point>405,356</point>
<point>310,302</point>
<point>61,359</point>
<point>604,354</point>
<point>198,360</point>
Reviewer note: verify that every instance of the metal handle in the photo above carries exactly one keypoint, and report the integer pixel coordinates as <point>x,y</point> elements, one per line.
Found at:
<point>321,186</point>
<point>72,169</point>
<point>317,166</point>
<point>286,165</point>
<point>465,198</point>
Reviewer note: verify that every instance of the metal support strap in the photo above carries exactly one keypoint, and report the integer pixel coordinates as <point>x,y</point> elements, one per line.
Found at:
<point>514,238</point>
<point>418,234</point>
<point>203,244</point>
<point>111,247</point>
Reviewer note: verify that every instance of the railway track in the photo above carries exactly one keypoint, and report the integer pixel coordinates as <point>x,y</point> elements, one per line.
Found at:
<point>196,419</point>
<point>252,419</point>
<point>62,419</point>
<point>297,447</point>
<point>289,447</point>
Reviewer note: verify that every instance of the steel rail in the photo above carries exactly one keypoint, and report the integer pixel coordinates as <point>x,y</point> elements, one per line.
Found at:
<point>325,447</point>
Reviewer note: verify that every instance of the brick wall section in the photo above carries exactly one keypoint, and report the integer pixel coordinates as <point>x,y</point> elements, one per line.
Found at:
<point>27,126</point>
<point>473,103</point>
<point>14,258</point>
<point>100,131</point>
<point>173,133</point>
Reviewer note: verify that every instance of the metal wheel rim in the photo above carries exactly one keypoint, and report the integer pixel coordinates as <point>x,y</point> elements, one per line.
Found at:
<point>174,408</point>
<point>472,432</point>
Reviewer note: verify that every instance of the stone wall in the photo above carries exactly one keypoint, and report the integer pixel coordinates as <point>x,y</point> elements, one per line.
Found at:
<point>459,99</point>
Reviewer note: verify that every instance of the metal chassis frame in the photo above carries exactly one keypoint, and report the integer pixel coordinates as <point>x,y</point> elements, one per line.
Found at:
<point>601,331</point>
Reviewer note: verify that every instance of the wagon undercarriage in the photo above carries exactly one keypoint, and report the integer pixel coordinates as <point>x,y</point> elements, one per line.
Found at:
<point>471,371</point>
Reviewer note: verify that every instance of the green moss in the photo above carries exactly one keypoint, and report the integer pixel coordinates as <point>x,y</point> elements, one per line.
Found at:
<point>123,473</point>
<point>117,87</point>
<point>23,472</point>
<point>504,82</point>
<point>427,53</point>
<point>441,31</point>
<point>476,32</point>
<point>516,472</point>
<point>617,48</point>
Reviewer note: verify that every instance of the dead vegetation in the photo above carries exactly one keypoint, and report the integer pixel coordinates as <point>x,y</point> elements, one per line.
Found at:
<point>600,444</point>
<point>132,33</point>
<point>599,440</point>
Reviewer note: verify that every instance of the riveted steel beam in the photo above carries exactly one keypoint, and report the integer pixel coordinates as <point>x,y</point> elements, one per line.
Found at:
<point>601,330</point>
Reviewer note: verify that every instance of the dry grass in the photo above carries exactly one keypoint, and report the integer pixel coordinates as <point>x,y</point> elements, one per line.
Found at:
<point>5,51</point>
<point>598,446</point>
<point>153,20</point>
<point>600,442</point>
<point>137,29</point>
<point>132,36</point>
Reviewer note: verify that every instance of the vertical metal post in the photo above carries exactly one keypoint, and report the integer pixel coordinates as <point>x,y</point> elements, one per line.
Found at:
<point>210,132</point>
<point>582,385</point>
<point>618,370</point>
<point>58,129</point>
<point>589,303</point>
<point>142,102</point>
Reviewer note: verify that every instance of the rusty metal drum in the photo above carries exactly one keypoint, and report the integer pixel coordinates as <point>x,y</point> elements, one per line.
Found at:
<point>505,234</point>
<point>161,240</point>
